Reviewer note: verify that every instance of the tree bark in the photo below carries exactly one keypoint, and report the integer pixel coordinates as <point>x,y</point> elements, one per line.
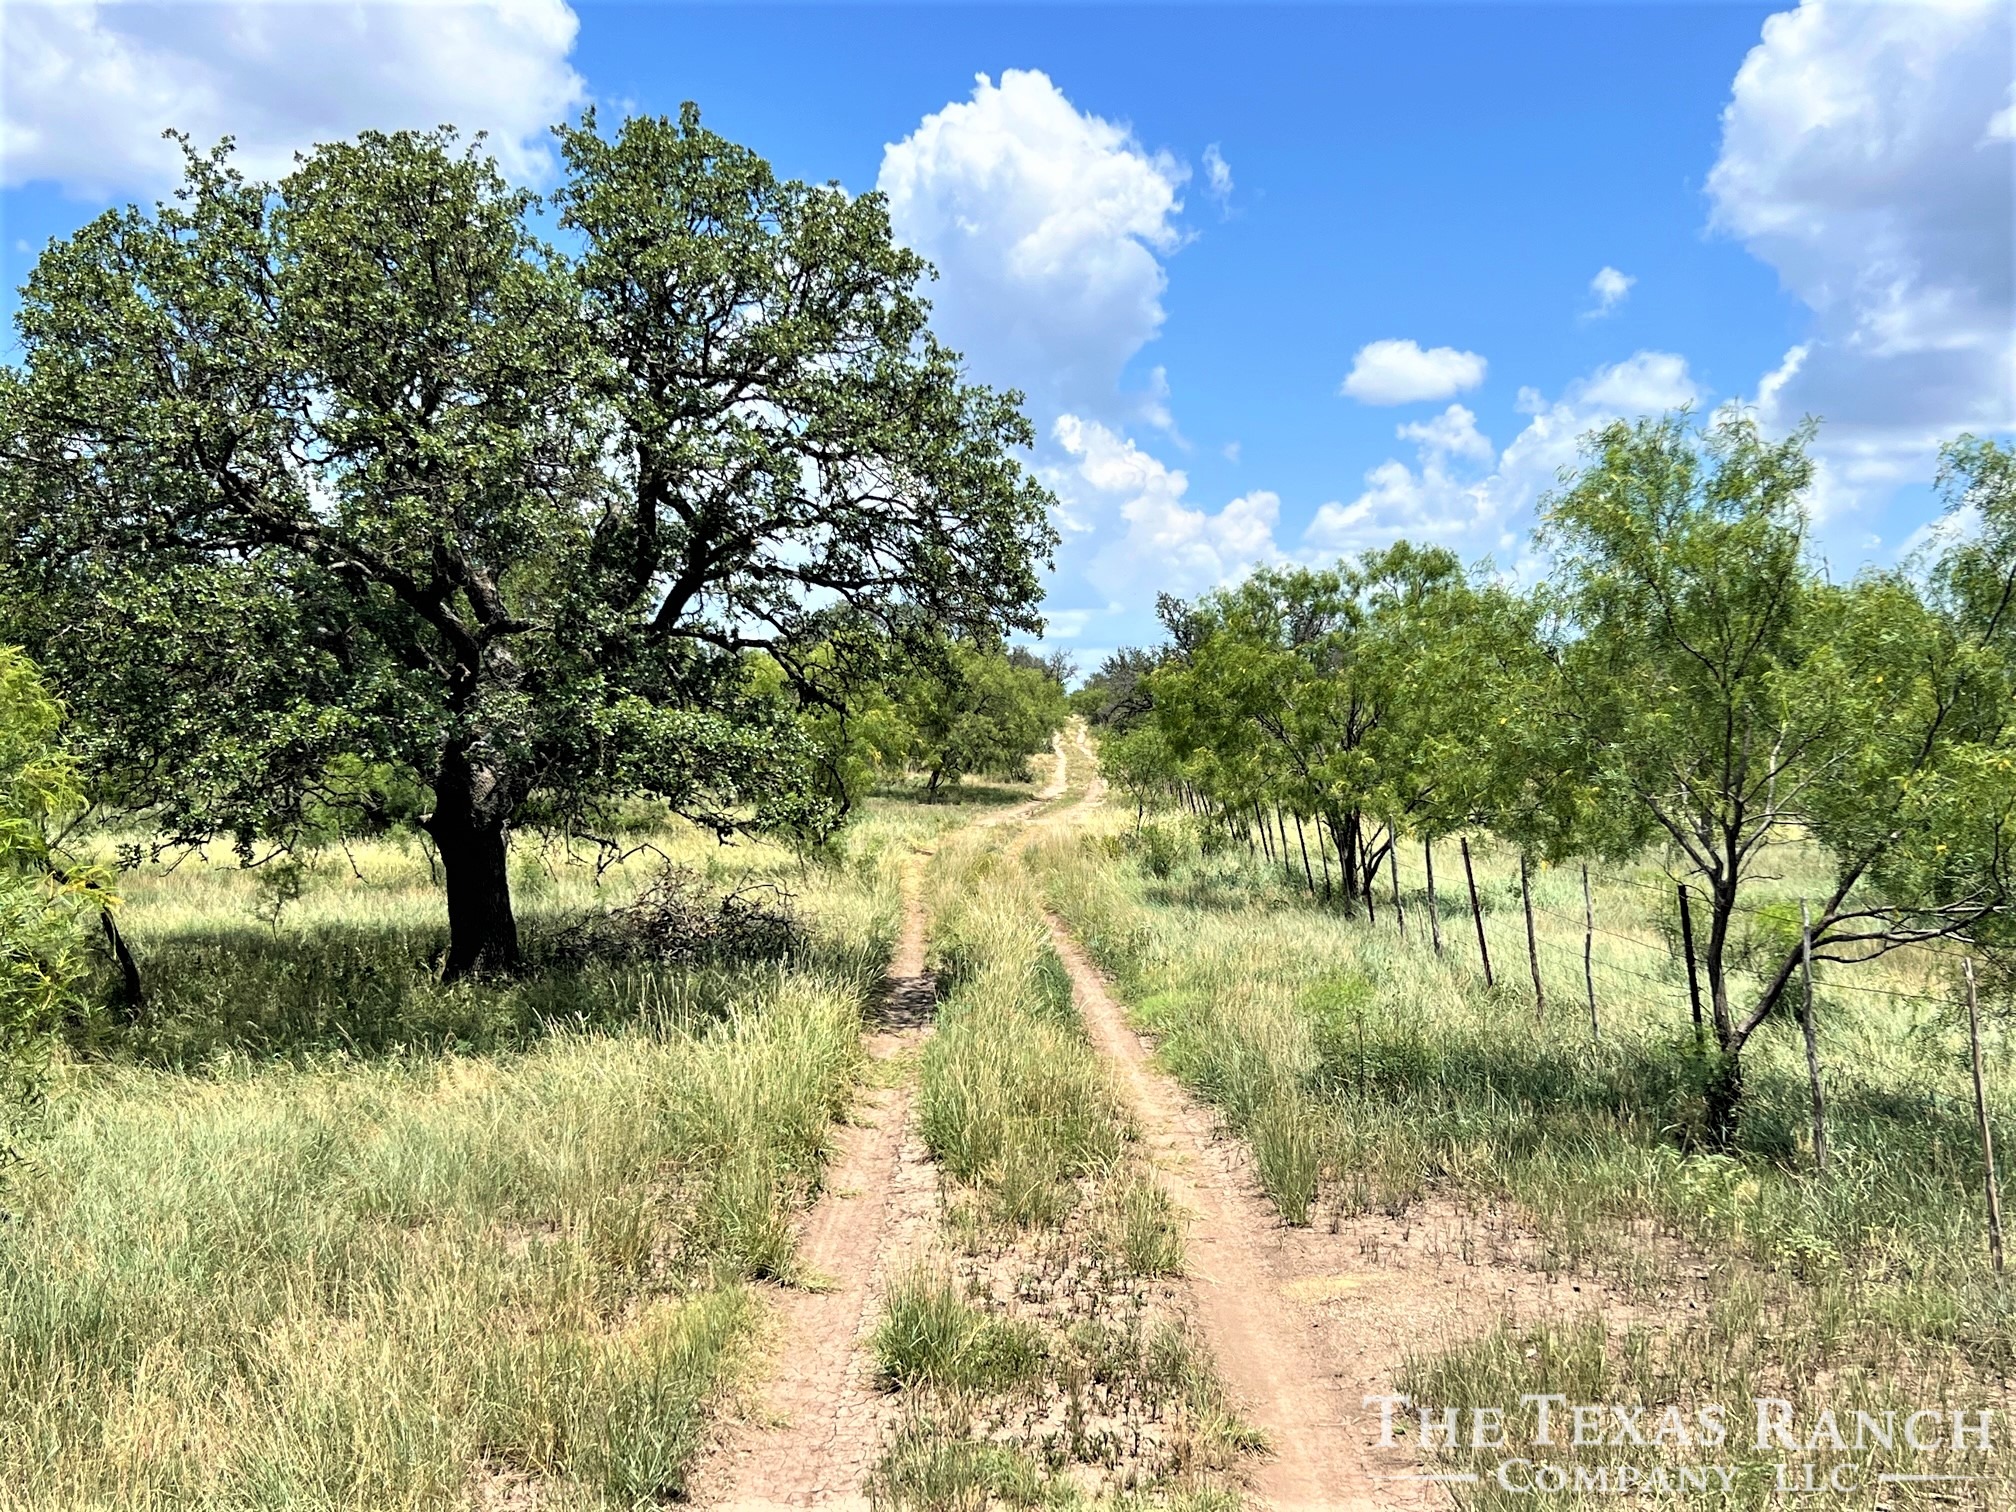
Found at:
<point>471,828</point>
<point>132,991</point>
<point>1723,1100</point>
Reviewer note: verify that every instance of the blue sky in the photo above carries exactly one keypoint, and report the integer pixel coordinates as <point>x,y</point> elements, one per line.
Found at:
<point>1180,230</point>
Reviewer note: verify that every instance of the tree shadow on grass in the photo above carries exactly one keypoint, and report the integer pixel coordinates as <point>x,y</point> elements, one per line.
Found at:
<point>301,993</point>
<point>965,793</point>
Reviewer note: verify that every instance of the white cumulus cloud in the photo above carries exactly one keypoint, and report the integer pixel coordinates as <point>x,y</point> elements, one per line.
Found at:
<point>1048,226</point>
<point>89,88</point>
<point>1458,488</point>
<point>1866,156</point>
<point>1400,372</point>
<point>1162,543</point>
<point>1609,287</point>
<point>1453,433</point>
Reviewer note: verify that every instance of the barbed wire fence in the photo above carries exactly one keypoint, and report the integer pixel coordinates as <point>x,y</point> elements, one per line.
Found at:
<point>1308,869</point>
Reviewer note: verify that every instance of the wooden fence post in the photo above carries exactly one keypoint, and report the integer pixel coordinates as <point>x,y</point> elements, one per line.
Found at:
<point>1532,945</point>
<point>1371,875</point>
<point>1693,974</point>
<point>1434,908</point>
<point>1981,1118</point>
<point>1589,951</point>
<point>1812,1044</point>
<point>1477,912</point>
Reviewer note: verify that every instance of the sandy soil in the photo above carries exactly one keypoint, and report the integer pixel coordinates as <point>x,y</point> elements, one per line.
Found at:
<point>823,1412</point>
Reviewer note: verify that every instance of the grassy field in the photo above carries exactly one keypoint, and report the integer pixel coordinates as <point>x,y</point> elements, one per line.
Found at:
<point>322,1232</point>
<point>1368,1072</point>
<point>318,1231</point>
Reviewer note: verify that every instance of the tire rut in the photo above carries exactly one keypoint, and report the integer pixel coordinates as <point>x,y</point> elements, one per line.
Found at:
<point>823,1403</point>
<point>877,1214</point>
<point>1240,1289</point>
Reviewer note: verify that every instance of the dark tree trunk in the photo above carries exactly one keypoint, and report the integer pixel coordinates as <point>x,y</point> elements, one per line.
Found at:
<point>1724,1100</point>
<point>132,991</point>
<point>471,828</point>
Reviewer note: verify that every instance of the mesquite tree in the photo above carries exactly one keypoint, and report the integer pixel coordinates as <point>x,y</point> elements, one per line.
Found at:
<point>317,492</point>
<point>1735,699</point>
<point>1355,694</point>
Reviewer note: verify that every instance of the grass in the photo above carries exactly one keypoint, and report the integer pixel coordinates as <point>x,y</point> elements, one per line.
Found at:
<point>1013,1101</point>
<point>321,1232</point>
<point>1367,1072</point>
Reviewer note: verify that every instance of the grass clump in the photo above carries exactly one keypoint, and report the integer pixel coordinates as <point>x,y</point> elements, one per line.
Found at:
<point>1140,1226</point>
<point>931,1467</point>
<point>1013,1099</point>
<point>930,1335</point>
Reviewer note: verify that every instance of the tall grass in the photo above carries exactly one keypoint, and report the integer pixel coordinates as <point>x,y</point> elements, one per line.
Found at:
<point>1013,1101</point>
<point>321,1232</point>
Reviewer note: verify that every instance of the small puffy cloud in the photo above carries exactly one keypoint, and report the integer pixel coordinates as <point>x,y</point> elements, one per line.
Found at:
<point>1868,154</point>
<point>1217,173</point>
<point>1163,543</point>
<point>1441,498</point>
<point>1065,624</point>
<point>1047,225</point>
<point>1453,433</point>
<point>1608,287</point>
<point>89,88</point>
<point>1400,372</point>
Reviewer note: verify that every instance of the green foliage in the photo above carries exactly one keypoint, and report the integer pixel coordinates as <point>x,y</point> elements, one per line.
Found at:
<point>1687,677</point>
<point>1368,696</point>
<point>978,712</point>
<point>1730,694</point>
<point>321,495</point>
<point>43,908</point>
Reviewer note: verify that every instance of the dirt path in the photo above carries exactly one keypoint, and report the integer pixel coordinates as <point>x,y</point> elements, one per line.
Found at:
<point>877,1214</point>
<point>1322,1458</point>
<point>1306,1323</point>
<point>880,1191</point>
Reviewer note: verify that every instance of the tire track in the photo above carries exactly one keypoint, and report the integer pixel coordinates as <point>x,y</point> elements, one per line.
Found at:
<point>877,1213</point>
<point>1240,1286</point>
<point>822,1399</point>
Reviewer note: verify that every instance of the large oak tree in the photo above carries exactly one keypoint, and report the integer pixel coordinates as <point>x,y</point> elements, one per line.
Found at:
<point>317,491</point>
